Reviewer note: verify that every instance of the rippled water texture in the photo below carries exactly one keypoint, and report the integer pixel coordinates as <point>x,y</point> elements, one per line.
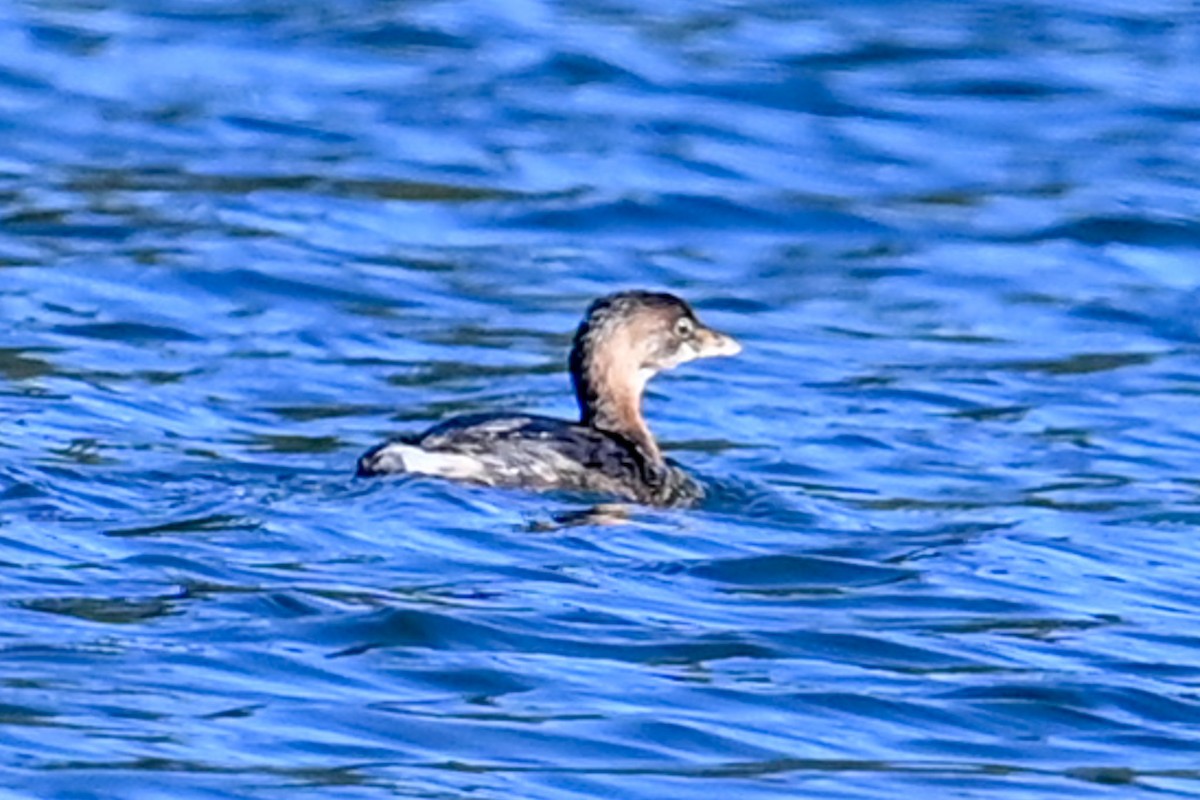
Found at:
<point>951,545</point>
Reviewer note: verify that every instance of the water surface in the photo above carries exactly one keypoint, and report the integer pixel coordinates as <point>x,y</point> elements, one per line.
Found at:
<point>950,546</point>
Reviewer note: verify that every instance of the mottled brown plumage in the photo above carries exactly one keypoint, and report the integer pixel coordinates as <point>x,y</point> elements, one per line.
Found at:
<point>623,341</point>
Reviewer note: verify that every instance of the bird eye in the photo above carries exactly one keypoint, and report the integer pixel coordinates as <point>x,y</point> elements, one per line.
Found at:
<point>684,328</point>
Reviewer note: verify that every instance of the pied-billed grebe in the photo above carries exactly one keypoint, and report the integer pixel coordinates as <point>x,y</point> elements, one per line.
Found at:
<point>623,341</point>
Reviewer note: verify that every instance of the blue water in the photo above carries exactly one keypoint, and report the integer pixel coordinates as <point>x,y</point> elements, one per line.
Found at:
<point>951,543</point>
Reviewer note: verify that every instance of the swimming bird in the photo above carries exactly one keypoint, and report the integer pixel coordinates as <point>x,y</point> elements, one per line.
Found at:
<point>624,340</point>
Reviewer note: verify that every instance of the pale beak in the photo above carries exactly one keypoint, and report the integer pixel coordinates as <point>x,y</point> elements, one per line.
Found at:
<point>711,343</point>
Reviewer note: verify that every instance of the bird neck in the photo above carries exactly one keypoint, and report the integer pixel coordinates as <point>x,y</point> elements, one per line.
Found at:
<point>609,388</point>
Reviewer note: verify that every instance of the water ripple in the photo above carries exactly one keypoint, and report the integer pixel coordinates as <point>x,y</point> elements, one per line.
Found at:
<point>946,546</point>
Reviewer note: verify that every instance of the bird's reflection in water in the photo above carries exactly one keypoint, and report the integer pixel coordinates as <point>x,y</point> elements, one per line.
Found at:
<point>601,514</point>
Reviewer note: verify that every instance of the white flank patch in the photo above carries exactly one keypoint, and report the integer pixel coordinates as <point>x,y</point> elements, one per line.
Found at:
<point>445,465</point>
